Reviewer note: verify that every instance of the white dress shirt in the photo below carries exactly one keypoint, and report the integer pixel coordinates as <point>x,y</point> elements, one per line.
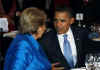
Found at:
<point>71,40</point>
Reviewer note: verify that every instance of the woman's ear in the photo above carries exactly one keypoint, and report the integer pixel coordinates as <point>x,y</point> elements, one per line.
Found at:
<point>39,29</point>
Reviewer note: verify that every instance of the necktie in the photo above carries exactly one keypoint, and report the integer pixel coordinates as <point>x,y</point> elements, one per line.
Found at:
<point>68,52</point>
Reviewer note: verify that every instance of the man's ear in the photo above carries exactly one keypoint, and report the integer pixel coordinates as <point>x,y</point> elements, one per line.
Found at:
<point>72,20</point>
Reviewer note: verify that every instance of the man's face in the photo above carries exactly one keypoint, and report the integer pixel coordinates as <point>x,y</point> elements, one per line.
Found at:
<point>62,22</point>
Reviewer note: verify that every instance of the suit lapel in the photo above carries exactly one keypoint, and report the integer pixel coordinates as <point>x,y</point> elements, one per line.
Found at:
<point>57,47</point>
<point>76,35</point>
<point>59,53</point>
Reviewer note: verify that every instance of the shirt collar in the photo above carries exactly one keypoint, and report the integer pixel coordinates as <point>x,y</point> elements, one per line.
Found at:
<point>68,33</point>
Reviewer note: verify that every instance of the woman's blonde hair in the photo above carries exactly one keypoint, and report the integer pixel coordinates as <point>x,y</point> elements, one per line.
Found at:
<point>31,19</point>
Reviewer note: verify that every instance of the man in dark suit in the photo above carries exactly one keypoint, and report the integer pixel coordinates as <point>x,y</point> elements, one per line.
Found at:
<point>53,42</point>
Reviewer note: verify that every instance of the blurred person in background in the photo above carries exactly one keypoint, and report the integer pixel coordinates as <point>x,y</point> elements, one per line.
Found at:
<point>7,10</point>
<point>8,7</point>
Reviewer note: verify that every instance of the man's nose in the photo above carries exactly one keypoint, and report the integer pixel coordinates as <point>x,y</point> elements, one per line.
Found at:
<point>59,22</point>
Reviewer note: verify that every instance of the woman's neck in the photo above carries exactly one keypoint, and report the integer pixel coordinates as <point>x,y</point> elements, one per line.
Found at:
<point>36,36</point>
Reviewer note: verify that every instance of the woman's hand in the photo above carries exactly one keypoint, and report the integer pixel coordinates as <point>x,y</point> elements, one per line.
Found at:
<point>56,68</point>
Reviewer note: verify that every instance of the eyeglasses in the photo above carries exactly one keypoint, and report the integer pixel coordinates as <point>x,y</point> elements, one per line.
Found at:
<point>61,20</point>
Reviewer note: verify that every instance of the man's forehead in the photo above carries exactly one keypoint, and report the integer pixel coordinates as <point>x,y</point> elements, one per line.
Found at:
<point>61,15</point>
<point>62,12</point>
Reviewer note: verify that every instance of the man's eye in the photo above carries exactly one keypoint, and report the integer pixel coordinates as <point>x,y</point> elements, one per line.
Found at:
<point>63,20</point>
<point>55,20</point>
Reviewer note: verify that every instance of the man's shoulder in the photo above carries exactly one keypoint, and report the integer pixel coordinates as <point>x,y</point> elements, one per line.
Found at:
<point>50,33</point>
<point>79,29</point>
<point>48,37</point>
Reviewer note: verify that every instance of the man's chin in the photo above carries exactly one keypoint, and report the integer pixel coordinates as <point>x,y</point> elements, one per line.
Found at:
<point>60,32</point>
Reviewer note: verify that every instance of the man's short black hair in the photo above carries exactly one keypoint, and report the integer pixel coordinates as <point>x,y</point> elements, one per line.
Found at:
<point>64,9</point>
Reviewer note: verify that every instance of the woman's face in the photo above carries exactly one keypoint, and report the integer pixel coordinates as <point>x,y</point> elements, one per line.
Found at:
<point>41,30</point>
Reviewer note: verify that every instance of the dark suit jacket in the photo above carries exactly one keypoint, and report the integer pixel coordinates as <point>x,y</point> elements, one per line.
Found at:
<point>51,46</point>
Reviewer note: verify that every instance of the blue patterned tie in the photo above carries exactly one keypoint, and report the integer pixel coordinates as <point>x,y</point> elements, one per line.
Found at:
<point>68,52</point>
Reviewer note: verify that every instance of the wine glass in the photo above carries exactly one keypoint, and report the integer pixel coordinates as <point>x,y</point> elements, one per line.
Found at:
<point>89,62</point>
<point>97,61</point>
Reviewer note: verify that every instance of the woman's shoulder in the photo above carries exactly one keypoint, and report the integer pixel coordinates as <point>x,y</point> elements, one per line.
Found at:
<point>18,44</point>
